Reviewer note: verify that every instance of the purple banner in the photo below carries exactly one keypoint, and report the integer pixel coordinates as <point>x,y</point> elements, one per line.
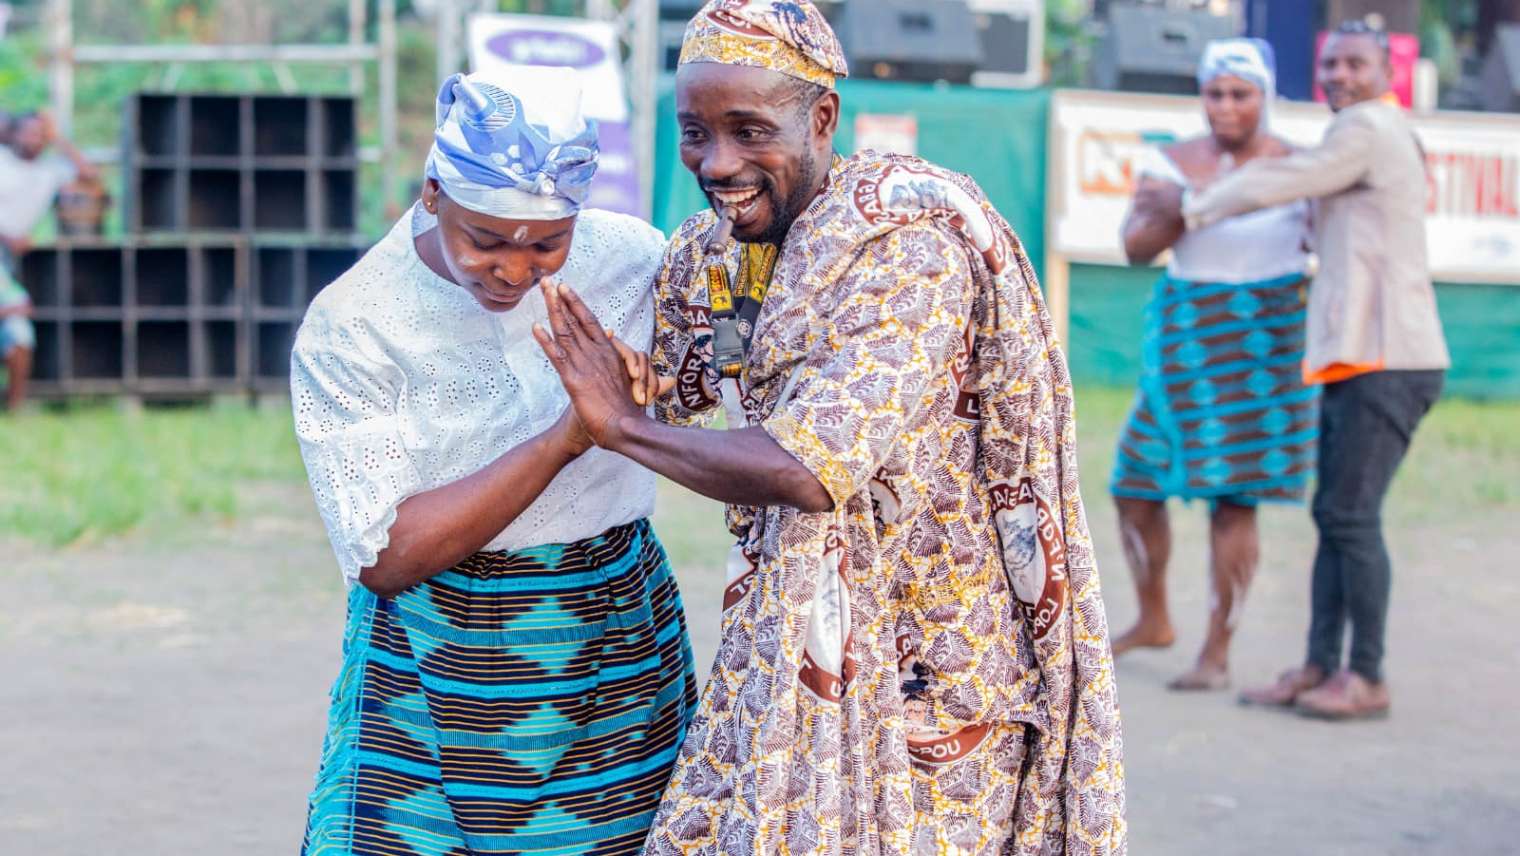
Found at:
<point>616,186</point>
<point>546,47</point>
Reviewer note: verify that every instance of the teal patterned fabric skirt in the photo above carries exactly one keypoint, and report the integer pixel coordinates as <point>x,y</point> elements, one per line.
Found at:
<point>1222,412</point>
<point>525,702</point>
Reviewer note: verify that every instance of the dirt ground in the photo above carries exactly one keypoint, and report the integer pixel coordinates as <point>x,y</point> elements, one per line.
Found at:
<point>164,694</point>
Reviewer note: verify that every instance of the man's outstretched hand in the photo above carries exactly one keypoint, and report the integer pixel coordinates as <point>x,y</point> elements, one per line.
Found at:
<point>742,466</point>
<point>608,382</point>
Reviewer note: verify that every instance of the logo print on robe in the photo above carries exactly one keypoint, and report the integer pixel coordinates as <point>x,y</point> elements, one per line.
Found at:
<point>1034,552</point>
<point>968,401</point>
<point>743,561</point>
<point>827,666</point>
<point>690,390</point>
<point>936,751</point>
<point>929,745</point>
<point>898,193</point>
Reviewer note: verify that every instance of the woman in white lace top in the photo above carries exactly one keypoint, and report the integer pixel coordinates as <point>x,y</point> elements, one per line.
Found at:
<point>516,646</point>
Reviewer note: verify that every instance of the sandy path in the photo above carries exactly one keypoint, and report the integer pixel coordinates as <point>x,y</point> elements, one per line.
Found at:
<point>164,694</point>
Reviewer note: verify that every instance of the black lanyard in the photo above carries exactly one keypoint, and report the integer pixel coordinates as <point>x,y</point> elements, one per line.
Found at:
<point>734,316</point>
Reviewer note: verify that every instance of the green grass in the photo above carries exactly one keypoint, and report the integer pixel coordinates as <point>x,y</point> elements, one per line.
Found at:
<point>691,528</point>
<point>91,473</point>
<point>1465,458</point>
<point>88,474</point>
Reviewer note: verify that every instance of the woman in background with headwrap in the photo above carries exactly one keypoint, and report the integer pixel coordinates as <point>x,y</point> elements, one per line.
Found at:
<point>1222,412</point>
<point>516,672</point>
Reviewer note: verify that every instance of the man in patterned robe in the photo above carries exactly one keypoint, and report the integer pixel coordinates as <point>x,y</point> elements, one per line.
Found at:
<point>914,655</point>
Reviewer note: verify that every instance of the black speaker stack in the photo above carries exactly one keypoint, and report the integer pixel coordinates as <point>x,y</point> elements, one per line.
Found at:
<point>1152,48</point>
<point>922,40</point>
<point>982,42</point>
<point>239,208</point>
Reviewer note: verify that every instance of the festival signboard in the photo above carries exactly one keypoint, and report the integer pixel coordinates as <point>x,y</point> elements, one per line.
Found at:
<point>1473,159</point>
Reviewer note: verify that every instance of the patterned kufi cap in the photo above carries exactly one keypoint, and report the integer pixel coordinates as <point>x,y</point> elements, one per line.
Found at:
<point>787,36</point>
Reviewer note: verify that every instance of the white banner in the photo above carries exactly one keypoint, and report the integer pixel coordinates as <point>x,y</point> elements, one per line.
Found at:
<point>1473,227</point>
<point>887,132</point>
<point>591,48</point>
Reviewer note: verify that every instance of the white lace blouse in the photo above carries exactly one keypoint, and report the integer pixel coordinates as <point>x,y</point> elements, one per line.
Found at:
<point>401,382</point>
<point>1253,247</point>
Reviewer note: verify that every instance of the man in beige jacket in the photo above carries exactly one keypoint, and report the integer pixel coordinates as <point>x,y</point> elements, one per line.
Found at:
<point>1375,342</point>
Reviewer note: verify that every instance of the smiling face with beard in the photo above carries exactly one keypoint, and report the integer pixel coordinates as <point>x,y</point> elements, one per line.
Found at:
<point>757,141</point>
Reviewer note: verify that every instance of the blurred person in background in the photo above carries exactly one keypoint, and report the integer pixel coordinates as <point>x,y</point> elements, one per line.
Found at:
<point>1222,414</point>
<point>1374,341</point>
<point>17,339</point>
<point>517,674</point>
<point>35,162</point>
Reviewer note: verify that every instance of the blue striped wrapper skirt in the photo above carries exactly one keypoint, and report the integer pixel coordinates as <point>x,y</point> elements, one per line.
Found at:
<point>523,702</point>
<point>1222,412</point>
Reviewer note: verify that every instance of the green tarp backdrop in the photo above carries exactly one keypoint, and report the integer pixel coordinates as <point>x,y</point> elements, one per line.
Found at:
<point>1482,329</point>
<point>995,135</point>
<point>999,137</point>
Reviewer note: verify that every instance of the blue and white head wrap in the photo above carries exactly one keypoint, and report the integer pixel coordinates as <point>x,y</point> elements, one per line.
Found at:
<point>1251,60</point>
<point>514,145</point>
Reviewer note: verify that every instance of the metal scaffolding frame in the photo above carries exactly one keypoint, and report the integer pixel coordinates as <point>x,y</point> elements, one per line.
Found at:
<point>64,55</point>
<point>637,23</point>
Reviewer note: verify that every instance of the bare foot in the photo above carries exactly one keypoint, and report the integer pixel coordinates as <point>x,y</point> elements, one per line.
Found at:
<point>1145,635</point>
<point>1286,689</point>
<point>1202,677</point>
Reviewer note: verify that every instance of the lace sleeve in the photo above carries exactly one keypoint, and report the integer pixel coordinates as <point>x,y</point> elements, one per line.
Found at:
<point>345,415</point>
<point>631,250</point>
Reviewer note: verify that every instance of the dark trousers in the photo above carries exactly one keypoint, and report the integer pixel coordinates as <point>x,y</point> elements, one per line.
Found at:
<point>1365,425</point>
